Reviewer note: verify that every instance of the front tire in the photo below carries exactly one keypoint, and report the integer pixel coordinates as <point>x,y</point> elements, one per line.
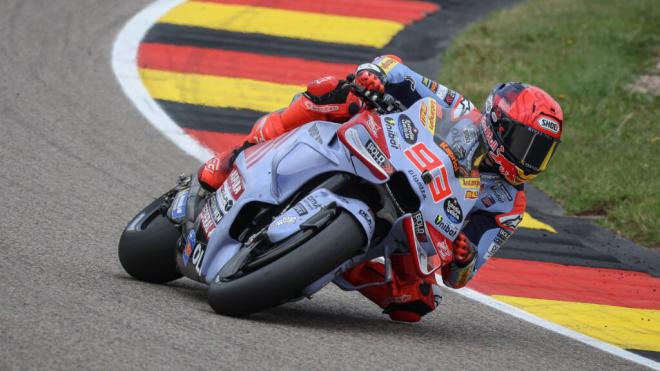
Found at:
<point>147,248</point>
<point>285,278</point>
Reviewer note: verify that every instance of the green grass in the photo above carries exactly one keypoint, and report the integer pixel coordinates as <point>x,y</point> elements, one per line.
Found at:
<point>585,53</point>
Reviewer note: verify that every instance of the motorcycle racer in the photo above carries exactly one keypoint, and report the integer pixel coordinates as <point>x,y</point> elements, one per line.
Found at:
<point>520,128</point>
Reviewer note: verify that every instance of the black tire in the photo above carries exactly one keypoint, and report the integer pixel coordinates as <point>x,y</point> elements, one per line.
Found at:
<point>147,248</point>
<point>285,278</point>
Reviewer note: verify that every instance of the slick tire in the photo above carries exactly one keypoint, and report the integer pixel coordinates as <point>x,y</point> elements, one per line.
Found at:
<point>147,248</point>
<point>285,278</point>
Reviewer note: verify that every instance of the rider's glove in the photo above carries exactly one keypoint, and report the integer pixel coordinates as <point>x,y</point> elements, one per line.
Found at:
<point>464,251</point>
<point>370,81</point>
<point>331,97</point>
<point>371,78</point>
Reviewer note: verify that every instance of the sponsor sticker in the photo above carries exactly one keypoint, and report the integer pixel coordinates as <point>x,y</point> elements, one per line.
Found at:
<point>442,91</point>
<point>492,249</point>
<point>423,114</point>
<point>470,182</point>
<point>188,249</point>
<point>549,125</point>
<point>454,161</point>
<point>215,210</point>
<point>433,110</point>
<point>501,193</point>
<point>509,221</point>
<point>420,228</point>
<point>387,64</point>
<point>312,203</point>
<point>432,85</point>
<point>464,107</point>
<point>314,132</point>
<point>235,183</point>
<point>373,127</point>
<point>450,230</point>
<point>225,202</point>
<point>375,153</point>
<point>407,129</point>
<point>300,209</point>
<point>366,216</point>
<point>411,82</point>
<point>207,220</point>
<point>179,209</point>
<point>392,137</point>
<point>285,219</point>
<point>471,195</point>
<point>326,108</point>
<point>418,182</point>
<point>198,256</point>
<point>453,210</point>
<point>487,201</point>
<point>449,98</point>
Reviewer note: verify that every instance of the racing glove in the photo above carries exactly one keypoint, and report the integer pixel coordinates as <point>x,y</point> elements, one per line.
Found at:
<point>460,271</point>
<point>371,78</point>
<point>464,251</point>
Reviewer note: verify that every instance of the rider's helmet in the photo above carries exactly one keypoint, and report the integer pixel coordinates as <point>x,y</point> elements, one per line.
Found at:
<point>522,125</point>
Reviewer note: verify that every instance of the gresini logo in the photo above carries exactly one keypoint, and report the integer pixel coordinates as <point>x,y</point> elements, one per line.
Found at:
<point>549,125</point>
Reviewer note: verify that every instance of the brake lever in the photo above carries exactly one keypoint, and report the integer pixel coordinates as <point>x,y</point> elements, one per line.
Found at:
<point>384,104</point>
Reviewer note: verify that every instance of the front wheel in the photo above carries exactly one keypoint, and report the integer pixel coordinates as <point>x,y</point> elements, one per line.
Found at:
<point>147,248</point>
<point>285,278</point>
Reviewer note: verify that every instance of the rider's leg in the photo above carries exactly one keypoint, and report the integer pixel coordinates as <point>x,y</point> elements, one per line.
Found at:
<point>214,172</point>
<point>407,298</point>
<point>327,99</point>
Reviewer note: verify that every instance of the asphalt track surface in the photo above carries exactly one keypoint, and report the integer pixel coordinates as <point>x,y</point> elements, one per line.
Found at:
<point>78,161</point>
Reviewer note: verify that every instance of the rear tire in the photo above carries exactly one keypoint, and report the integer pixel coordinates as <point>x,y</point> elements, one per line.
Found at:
<point>147,248</point>
<point>285,278</point>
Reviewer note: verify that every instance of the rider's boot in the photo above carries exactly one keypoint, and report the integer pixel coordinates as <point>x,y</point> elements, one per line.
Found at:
<point>407,298</point>
<point>213,173</point>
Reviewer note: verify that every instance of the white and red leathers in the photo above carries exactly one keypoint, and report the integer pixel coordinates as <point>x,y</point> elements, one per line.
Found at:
<point>492,221</point>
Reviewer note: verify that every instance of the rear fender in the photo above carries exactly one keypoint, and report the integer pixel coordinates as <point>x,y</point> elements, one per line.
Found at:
<point>295,219</point>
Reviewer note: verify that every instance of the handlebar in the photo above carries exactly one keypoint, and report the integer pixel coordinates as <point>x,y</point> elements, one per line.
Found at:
<point>384,103</point>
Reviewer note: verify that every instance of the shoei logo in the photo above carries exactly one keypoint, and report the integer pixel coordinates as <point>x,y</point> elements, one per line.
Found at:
<point>549,125</point>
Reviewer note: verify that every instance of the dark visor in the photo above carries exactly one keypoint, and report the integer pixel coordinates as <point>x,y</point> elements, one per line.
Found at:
<point>529,148</point>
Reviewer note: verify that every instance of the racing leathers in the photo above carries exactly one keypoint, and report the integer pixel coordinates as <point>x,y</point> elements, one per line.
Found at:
<point>494,218</point>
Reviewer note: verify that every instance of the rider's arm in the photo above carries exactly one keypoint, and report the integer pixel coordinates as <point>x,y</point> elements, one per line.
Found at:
<point>495,218</point>
<point>409,86</point>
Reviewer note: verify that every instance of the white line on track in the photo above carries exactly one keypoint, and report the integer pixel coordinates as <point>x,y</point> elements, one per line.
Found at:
<point>525,316</point>
<point>124,64</point>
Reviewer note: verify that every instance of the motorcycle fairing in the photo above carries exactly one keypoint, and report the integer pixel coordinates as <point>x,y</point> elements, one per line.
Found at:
<point>290,221</point>
<point>363,136</point>
<point>444,204</point>
<point>178,209</point>
<point>271,173</point>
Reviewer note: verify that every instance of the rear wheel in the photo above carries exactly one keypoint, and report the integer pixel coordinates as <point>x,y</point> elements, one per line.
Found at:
<point>147,248</point>
<point>284,279</point>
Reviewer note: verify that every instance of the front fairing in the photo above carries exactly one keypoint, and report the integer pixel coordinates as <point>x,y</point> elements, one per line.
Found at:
<point>420,145</point>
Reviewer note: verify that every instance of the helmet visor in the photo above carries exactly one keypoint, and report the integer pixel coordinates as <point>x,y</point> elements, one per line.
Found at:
<point>529,148</point>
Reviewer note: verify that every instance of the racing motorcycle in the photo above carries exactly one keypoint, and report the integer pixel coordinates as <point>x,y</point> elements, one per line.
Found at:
<point>298,211</point>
